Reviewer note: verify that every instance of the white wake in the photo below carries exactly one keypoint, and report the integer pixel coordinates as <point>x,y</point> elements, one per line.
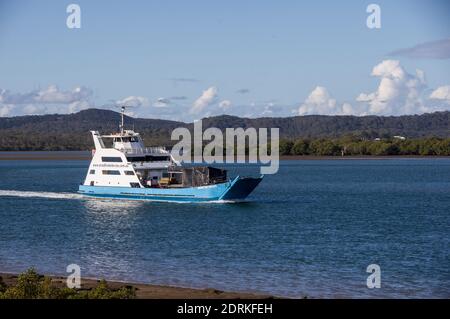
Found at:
<point>14,193</point>
<point>54,195</point>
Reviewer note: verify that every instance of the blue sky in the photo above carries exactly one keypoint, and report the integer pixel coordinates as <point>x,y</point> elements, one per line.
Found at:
<point>189,59</point>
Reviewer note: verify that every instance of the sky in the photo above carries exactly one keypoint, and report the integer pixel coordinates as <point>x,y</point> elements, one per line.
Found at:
<point>184,60</point>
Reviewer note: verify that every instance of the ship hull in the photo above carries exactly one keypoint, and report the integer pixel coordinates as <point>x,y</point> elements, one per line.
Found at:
<point>236,190</point>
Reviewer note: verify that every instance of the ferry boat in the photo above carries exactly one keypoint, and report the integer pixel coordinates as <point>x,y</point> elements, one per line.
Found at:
<point>129,170</point>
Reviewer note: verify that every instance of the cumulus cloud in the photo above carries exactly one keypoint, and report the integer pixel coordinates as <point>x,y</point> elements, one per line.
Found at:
<point>347,109</point>
<point>398,91</point>
<point>5,110</point>
<point>44,101</point>
<point>429,50</point>
<point>320,102</point>
<point>441,93</point>
<point>54,95</point>
<point>50,95</point>
<point>207,98</point>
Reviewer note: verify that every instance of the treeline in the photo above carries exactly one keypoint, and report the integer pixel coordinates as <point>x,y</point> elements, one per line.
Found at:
<point>345,146</point>
<point>351,146</point>
<point>302,135</point>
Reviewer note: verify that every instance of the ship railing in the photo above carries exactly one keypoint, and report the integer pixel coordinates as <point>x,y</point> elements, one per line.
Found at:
<point>145,150</point>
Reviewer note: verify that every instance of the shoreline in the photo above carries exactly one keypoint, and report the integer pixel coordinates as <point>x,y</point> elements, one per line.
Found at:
<point>86,156</point>
<point>148,291</point>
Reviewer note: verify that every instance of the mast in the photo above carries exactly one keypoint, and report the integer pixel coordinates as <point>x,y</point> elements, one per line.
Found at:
<point>122,113</point>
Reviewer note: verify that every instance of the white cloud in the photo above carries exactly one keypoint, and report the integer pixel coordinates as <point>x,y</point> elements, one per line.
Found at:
<point>48,100</point>
<point>50,95</point>
<point>347,109</point>
<point>320,102</point>
<point>161,102</point>
<point>134,101</point>
<point>225,104</point>
<point>5,110</point>
<point>441,93</point>
<point>207,98</point>
<point>53,95</point>
<point>398,91</point>
<point>78,106</point>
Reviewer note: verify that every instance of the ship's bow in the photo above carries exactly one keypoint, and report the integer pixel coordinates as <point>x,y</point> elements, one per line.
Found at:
<point>240,188</point>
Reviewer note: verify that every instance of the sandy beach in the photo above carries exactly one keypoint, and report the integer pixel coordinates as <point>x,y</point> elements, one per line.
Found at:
<point>148,291</point>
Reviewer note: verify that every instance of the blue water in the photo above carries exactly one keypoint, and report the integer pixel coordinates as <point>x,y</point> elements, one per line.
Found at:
<point>310,230</point>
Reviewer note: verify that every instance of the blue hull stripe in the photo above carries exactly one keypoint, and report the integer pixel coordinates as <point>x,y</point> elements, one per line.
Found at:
<point>235,190</point>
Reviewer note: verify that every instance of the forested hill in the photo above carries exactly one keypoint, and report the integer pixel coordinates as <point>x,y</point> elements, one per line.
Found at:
<point>71,132</point>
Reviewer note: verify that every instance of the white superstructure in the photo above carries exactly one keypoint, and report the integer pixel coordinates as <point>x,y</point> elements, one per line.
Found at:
<point>127,162</point>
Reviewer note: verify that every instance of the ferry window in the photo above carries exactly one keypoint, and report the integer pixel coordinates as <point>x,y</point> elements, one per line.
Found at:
<point>109,172</point>
<point>111,159</point>
<point>92,171</point>
<point>133,139</point>
<point>150,158</point>
<point>126,139</point>
<point>135,185</point>
<point>129,173</point>
<point>136,159</point>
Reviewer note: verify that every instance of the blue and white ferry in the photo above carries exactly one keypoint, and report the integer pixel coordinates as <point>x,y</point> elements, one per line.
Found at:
<point>129,170</point>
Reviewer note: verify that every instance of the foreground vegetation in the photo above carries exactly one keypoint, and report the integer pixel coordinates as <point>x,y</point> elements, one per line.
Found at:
<point>31,285</point>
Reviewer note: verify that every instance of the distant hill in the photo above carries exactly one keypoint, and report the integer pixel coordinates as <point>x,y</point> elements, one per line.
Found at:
<point>71,131</point>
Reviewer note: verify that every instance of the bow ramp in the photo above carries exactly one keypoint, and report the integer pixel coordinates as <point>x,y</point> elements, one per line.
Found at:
<point>240,188</point>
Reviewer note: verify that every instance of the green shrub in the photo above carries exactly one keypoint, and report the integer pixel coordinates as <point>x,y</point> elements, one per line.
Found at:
<point>30,285</point>
<point>300,147</point>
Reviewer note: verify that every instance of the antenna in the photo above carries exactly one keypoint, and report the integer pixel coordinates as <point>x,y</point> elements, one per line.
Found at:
<point>122,117</point>
<point>122,113</point>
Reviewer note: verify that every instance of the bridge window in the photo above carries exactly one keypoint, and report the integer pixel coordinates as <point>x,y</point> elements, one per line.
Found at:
<point>129,173</point>
<point>110,172</point>
<point>109,159</point>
